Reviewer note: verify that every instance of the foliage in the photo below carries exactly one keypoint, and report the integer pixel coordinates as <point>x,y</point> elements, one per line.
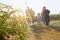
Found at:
<point>55,17</point>
<point>12,26</point>
<point>30,13</point>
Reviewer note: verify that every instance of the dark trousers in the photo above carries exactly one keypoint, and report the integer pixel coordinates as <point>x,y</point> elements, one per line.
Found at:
<point>46,20</point>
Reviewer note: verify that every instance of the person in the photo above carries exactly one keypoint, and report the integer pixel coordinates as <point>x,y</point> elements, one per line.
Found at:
<point>45,15</point>
<point>38,18</point>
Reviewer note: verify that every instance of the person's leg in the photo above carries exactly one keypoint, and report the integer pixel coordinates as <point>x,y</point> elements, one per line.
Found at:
<point>47,20</point>
<point>43,20</point>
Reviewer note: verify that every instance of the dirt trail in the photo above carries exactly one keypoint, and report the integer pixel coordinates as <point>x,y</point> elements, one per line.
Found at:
<point>45,33</point>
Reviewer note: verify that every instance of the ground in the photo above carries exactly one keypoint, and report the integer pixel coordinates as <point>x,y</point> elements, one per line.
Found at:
<point>43,32</point>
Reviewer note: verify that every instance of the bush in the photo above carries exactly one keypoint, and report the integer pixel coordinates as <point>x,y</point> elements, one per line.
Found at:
<point>55,17</point>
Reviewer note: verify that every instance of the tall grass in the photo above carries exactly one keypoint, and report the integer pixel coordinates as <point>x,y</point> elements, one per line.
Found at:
<point>12,28</point>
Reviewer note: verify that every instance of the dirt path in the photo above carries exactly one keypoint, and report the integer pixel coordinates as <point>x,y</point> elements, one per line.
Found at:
<point>42,32</point>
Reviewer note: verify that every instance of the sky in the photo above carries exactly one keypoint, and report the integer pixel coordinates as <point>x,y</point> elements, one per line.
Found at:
<point>36,5</point>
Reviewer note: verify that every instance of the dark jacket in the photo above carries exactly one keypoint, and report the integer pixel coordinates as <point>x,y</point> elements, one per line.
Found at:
<point>45,15</point>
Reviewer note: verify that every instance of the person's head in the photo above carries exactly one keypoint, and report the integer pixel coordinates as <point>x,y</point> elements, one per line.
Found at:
<point>44,8</point>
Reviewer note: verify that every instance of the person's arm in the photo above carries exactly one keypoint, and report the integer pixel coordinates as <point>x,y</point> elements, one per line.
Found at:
<point>48,11</point>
